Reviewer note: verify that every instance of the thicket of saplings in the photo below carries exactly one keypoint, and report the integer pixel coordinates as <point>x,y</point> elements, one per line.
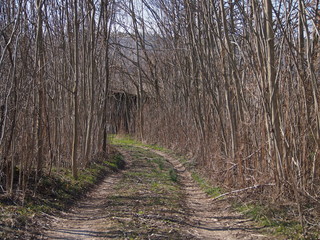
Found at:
<point>233,83</point>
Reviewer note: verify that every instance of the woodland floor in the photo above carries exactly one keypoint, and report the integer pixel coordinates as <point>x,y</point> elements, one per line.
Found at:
<point>153,198</point>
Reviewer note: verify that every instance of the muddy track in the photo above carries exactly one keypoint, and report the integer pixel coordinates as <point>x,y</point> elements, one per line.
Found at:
<point>125,205</point>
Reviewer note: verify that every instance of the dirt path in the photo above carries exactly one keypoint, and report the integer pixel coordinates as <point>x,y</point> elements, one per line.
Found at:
<point>86,220</point>
<point>211,220</point>
<point>144,202</point>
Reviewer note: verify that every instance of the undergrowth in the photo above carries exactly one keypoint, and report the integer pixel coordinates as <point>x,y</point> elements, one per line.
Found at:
<point>19,217</point>
<point>276,220</point>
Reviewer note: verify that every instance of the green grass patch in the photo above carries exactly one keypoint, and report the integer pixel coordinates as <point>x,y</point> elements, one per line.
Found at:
<point>123,140</point>
<point>173,175</point>
<point>130,143</point>
<point>126,140</point>
<point>276,220</point>
<point>159,161</point>
<point>116,162</point>
<point>205,186</point>
<point>154,174</point>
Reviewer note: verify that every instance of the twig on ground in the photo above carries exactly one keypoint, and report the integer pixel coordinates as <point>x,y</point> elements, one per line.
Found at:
<point>242,190</point>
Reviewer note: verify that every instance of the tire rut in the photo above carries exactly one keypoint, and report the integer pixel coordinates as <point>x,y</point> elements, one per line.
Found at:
<point>98,216</point>
<point>87,219</point>
<point>209,219</point>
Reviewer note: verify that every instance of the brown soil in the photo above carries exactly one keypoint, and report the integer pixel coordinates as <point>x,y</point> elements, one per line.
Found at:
<point>212,219</point>
<point>124,207</point>
<point>85,220</point>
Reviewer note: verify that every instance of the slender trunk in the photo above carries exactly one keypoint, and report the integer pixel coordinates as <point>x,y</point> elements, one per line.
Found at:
<point>273,93</point>
<point>108,12</point>
<point>40,85</point>
<point>75,140</point>
<point>91,85</point>
<point>140,84</point>
<point>227,72</point>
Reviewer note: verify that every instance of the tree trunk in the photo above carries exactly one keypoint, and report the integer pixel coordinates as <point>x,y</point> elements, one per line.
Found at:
<point>41,90</point>
<point>273,94</point>
<point>75,140</point>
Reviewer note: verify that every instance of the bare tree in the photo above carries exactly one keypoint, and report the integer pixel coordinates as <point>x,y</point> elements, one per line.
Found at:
<point>41,87</point>
<point>75,140</point>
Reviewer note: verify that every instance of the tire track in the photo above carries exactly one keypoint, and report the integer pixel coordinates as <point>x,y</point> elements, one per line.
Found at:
<point>208,219</point>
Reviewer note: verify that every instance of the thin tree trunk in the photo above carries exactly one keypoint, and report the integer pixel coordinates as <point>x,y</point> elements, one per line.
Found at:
<point>273,93</point>
<point>140,85</point>
<point>41,93</point>
<point>108,19</point>
<point>75,140</point>
<point>91,84</point>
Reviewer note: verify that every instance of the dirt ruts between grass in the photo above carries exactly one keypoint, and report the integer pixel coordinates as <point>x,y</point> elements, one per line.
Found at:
<point>153,198</point>
<point>209,219</point>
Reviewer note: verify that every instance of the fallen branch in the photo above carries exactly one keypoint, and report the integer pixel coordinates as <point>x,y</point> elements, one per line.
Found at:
<point>242,190</point>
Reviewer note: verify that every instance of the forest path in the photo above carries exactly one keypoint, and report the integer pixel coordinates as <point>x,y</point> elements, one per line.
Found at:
<point>209,219</point>
<point>87,219</point>
<point>145,201</point>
